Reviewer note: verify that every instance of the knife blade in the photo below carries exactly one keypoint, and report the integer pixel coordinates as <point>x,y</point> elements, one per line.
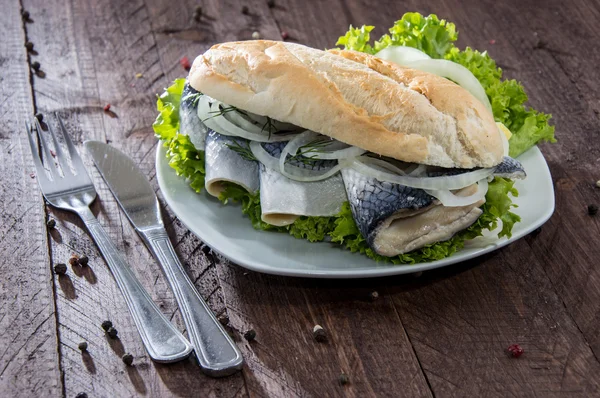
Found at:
<point>217,354</point>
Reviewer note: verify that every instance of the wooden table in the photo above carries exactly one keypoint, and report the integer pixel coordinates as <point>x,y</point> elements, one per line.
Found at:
<point>443,333</point>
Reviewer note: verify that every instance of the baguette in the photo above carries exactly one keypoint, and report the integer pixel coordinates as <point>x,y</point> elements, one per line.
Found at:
<point>355,98</point>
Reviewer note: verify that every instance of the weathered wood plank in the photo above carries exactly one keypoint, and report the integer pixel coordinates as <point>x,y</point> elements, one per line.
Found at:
<point>91,57</point>
<point>29,364</point>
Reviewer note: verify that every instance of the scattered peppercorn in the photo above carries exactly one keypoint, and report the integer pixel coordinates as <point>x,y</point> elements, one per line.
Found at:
<point>205,249</point>
<point>344,379</point>
<point>185,63</point>
<point>245,10</point>
<point>29,46</point>
<point>127,359</point>
<point>74,260</point>
<point>319,334</point>
<point>515,350</point>
<point>36,66</point>
<point>51,223</point>
<point>198,13</point>
<point>39,117</point>
<point>83,346</point>
<point>83,260</point>
<point>112,332</point>
<point>32,175</point>
<point>25,15</point>
<point>374,295</point>
<point>52,153</point>
<point>492,41</point>
<point>106,107</point>
<point>255,35</point>
<point>271,3</point>
<point>284,35</point>
<point>106,325</point>
<point>598,183</point>
<point>81,395</point>
<point>223,319</point>
<point>592,210</point>
<point>60,269</point>
<point>250,335</point>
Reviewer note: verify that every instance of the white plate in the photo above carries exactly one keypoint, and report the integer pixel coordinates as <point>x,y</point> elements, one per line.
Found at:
<point>226,230</point>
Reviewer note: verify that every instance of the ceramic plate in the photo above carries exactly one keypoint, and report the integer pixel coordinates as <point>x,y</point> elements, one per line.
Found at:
<point>226,230</point>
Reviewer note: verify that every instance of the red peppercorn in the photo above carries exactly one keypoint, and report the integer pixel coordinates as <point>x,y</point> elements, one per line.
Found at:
<point>492,41</point>
<point>515,350</point>
<point>185,62</point>
<point>284,35</point>
<point>32,175</point>
<point>106,107</point>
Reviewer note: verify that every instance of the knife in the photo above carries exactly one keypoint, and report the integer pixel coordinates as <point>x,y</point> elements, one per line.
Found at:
<point>217,354</point>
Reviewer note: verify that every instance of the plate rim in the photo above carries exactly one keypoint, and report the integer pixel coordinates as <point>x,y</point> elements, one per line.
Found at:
<point>391,269</point>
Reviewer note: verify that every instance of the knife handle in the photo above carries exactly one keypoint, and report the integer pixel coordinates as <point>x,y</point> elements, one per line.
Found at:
<point>217,354</point>
<point>162,340</point>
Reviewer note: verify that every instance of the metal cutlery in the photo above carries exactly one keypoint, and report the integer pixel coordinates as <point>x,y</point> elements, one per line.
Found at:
<point>217,354</point>
<point>74,191</point>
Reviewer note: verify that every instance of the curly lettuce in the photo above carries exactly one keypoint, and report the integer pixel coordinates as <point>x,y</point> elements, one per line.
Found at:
<point>435,37</point>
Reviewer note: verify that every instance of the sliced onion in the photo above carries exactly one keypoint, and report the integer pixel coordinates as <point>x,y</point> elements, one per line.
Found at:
<point>346,153</point>
<point>380,163</point>
<point>505,145</point>
<point>418,171</point>
<point>450,199</point>
<point>225,126</point>
<point>416,59</point>
<point>436,183</point>
<point>402,54</point>
<point>292,172</point>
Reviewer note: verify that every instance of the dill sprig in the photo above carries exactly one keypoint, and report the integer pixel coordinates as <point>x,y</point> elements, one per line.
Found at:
<point>193,98</point>
<point>307,153</point>
<point>223,110</point>
<point>242,150</point>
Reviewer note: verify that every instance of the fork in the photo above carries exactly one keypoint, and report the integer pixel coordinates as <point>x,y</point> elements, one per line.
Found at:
<point>74,191</point>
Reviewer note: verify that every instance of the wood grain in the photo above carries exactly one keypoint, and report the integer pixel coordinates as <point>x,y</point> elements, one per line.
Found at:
<point>442,334</point>
<point>29,363</point>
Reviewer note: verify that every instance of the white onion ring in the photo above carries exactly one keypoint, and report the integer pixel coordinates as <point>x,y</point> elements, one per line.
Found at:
<point>226,127</point>
<point>435,183</point>
<point>449,199</point>
<point>291,172</point>
<point>409,57</point>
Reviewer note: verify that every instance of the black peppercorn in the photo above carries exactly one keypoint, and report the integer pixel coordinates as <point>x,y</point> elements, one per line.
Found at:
<point>25,15</point>
<point>223,319</point>
<point>36,65</point>
<point>83,260</point>
<point>245,10</point>
<point>127,359</point>
<point>344,379</point>
<point>374,295</point>
<point>83,346</point>
<point>39,117</point>
<point>51,223</point>
<point>112,333</point>
<point>74,260</point>
<point>106,325</point>
<point>250,335</point>
<point>60,269</point>
<point>592,210</point>
<point>198,13</point>
<point>29,46</point>
<point>205,249</point>
<point>319,334</point>
<point>81,395</point>
<point>271,3</point>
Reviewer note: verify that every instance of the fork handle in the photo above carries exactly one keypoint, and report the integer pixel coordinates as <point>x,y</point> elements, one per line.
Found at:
<point>217,354</point>
<point>162,340</point>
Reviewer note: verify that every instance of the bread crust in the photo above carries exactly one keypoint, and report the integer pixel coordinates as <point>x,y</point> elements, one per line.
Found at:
<point>355,98</point>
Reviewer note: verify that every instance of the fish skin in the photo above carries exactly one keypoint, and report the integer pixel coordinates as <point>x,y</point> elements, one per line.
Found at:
<point>189,122</point>
<point>223,163</point>
<point>373,201</point>
<point>508,168</point>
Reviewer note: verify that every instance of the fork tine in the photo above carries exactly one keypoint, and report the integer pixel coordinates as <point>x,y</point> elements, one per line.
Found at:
<point>77,163</point>
<point>60,154</point>
<point>48,159</point>
<point>40,171</point>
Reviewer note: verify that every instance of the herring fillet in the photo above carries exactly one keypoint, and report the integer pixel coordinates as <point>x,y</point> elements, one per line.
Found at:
<point>223,164</point>
<point>189,122</point>
<point>283,200</point>
<point>373,201</point>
